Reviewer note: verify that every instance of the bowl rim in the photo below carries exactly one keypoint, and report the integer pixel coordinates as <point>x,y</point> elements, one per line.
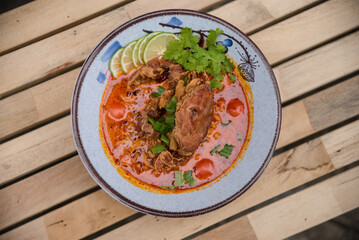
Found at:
<point>75,129</point>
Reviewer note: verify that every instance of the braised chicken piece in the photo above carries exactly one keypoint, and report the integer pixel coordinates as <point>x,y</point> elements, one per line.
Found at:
<point>193,116</point>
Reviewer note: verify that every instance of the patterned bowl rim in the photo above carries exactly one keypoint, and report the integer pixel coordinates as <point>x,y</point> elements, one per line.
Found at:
<point>75,129</point>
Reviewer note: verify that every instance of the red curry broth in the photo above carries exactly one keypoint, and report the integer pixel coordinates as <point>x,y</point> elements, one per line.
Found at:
<point>121,108</point>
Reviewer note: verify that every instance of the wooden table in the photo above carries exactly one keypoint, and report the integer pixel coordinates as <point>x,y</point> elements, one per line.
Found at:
<point>46,193</point>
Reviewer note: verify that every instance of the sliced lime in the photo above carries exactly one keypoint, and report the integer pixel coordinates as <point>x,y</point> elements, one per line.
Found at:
<point>135,59</point>
<point>143,43</point>
<point>115,63</point>
<point>157,45</point>
<point>126,58</point>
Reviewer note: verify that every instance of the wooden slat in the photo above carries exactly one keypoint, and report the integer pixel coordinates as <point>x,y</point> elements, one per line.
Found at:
<point>282,219</point>
<point>47,188</point>
<point>36,104</point>
<point>49,60</point>
<point>52,55</point>
<point>318,67</point>
<point>285,171</point>
<point>31,21</point>
<point>319,24</point>
<point>264,10</point>
<point>36,149</point>
<point>140,7</point>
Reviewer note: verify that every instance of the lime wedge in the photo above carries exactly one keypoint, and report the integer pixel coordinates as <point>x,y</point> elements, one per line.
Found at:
<point>126,58</point>
<point>157,45</point>
<point>115,63</point>
<point>143,43</point>
<point>135,59</point>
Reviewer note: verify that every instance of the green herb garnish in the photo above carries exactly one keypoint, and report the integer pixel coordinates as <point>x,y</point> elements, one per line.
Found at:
<point>158,149</point>
<point>168,188</point>
<point>226,151</point>
<point>171,106</point>
<point>232,77</point>
<point>170,120</point>
<point>215,149</point>
<point>215,84</point>
<point>160,91</point>
<point>226,123</point>
<point>191,56</point>
<point>151,121</point>
<point>185,79</point>
<point>179,181</point>
<point>188,177</point>
<point>165,139</point>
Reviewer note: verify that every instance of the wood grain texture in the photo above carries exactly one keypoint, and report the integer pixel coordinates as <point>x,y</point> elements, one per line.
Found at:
<point>40,191</point>
<point>282,218</point>
<point>36,149</point>
<point>98,210</point>
<point>29,231</point>
<point>295,118</point>
<point>39,18</point>
<point>342,144</point>
<point>37,104</point>
<point>240,229</point>
<point>140,7</point>
<point>307,29</point>
<point>53,55</point>
<point>257,12</point>
<point>318,67</point>
<point>317,204</point>
<point>337,104</point>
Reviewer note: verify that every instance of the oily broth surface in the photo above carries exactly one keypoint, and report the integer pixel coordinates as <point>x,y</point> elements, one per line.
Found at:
<point>120,110</point>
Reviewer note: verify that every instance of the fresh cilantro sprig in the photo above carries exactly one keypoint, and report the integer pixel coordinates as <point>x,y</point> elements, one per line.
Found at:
<point>187,52</point>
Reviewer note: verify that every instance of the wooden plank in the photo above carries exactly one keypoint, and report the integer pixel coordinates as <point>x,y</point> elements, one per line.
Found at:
<point>282,219</point>
<point>29,231</point>
<point>317,204</point>
<point>318,67</point>
<point>285,171</point>
<point>308,29</point>
<point>342,144</point>
<point>239,229</point>
<point>48,188</point>
<point>20,22</point>
<point>346,104</point>
<point>140,7</point>
<point>36,149</point>
<point>258,12</point>
<point>55,54</point>
<point>36,104</point>
<point>48,61</point>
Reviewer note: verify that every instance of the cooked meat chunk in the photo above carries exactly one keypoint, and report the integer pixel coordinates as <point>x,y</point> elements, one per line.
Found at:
<point>180,89</point>
<point>153,111</point>
<point>176,72</point>
<point>192,84</point>
<point>165,98</point>
<point>173,143</point>
<point>193,116</point>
